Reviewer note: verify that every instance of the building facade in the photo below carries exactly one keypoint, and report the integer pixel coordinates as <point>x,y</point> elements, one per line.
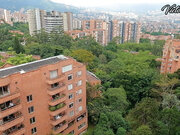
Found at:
<point>125,31</point>
<point>49,21</point>
<point>171,55</point>
<point>67,21</point>
<point>43,97</point>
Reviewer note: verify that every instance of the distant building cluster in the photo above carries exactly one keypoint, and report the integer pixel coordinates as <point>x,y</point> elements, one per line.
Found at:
<point>158,37</point>
<point>161,26</point>
<point>7,17</point>
<point>104,31</point>
<point>171,55</point>
<point>49,21</point>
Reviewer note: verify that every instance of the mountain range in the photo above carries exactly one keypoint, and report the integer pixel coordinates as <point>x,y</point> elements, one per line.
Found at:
<point>16,5</point>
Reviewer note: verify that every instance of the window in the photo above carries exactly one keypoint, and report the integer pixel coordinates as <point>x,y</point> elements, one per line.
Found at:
<point>31,109</point>
<point>80,100</point>
<point>71,113</point>
<point>55,85</point>
<point>70,96</point>
<point>29,98</point>
<point>72,132</point>
<point>70,77</point>
<point>70,87</point>
<point>71,105</point>
<point>79,73</point>
<point>79,83</point>
<point>79,92</point>
<point>32,120</point>
<point>53,74</point>
<point>33,130</point>
<point>4,90</point>
<point>80,108</point>
<point>82,125</point>
<point>67,68</point>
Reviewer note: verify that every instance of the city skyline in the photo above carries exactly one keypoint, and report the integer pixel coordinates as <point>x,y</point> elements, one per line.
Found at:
<point>109,3</point>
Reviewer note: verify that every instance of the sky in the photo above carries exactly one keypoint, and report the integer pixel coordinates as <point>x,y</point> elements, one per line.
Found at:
<point>101,3</point>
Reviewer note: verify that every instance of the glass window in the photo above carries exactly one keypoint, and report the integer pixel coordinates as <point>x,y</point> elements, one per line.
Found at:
<point>31,109</point>
<point>82,125</point>
<point>29,98</point>
<point>71,105</point>
<point>53,74</point>
<point>71,113</point>
<point>32,120</point>
<point>79,73</point>
<point>4,90</point>
<point>33,130</point>
<point>80,108</point>
<point>70,96</point>
<point>70,87</point>
<point>67,68</point>
<point>79,83</point>
<point>79,92</point>
<point>70,77</point>
<point>80,100</point>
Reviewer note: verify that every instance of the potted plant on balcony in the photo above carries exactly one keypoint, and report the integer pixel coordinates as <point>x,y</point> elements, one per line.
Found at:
<point>52,108</point>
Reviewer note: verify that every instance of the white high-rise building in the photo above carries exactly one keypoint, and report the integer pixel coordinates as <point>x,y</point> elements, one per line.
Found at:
<point>49,21</point>
<point>36,20</point>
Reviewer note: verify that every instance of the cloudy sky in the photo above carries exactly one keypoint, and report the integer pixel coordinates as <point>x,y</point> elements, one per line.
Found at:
<point>101,3</point>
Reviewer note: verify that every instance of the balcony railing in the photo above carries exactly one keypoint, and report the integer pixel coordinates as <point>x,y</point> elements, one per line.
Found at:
<point>56,79</point>
<point>11,131</point>
<point>59,126</point>
<point>11,119</point>
<point>57,87</point>
<point>10,106</point>
<point>59,106</point>
<point>58,97</point>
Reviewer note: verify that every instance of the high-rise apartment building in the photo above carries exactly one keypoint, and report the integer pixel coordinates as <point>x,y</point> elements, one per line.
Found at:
<point>126,31</point>
<point>36,20</point>
<point>171,56</point>
<point>77,24</point>
<point>6,16</point>
<point>53,21</point>
<point>43,97</point>
<point>67,21</point>
<point>98,34</point>
<point>49,21</point>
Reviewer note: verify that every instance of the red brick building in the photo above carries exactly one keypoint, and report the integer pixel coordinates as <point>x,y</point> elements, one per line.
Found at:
<point>171,56</point>
<point>42,97</point>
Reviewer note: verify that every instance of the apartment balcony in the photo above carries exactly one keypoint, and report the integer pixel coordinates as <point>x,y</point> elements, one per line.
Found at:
<point>17,130</point>
<point>57,79</point>
<point>55,90</point>
<point>11,122</point>
<point>56,111</point>
<point>57,100</point>
<point>9,96</point>
<point>10,110</point>
<point>59,120</point>
<point>60,127</point>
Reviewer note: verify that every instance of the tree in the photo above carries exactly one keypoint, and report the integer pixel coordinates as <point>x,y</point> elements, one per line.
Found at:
<point>18,48</point>
<point>83,56</point>
<point>116,98</point>
<point>144,113</point>
<point>121,131</point>
<point>143,130</point>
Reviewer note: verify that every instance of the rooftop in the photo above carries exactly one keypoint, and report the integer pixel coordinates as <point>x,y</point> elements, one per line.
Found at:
<point>27,67</point>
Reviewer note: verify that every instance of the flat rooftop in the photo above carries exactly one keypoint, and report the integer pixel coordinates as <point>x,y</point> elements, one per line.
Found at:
<point>27,67</point>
